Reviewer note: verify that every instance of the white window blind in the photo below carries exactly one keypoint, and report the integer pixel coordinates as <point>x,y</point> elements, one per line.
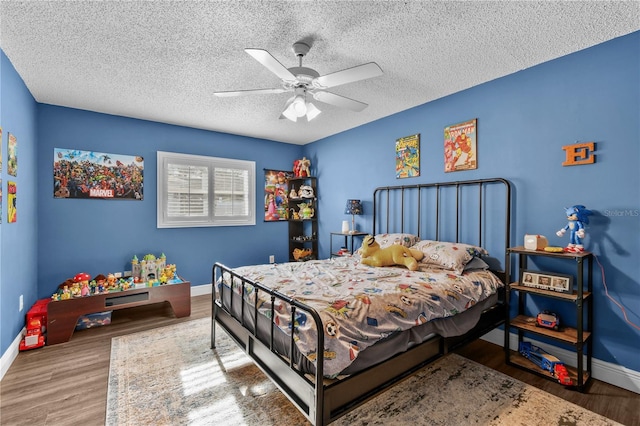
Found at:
<point>197,191</point>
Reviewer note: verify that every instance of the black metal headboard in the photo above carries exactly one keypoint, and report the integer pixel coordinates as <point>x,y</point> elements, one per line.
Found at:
<point>474,212</point>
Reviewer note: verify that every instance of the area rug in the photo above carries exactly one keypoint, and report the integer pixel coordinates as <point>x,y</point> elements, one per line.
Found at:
<point>170,376</point>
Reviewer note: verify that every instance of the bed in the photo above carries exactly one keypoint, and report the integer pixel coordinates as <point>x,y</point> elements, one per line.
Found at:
<point>376,325</point>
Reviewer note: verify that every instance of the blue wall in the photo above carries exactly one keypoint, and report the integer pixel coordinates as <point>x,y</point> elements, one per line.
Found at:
<point>523,121</point>
<point>18,241</point>
<point>101,236</point>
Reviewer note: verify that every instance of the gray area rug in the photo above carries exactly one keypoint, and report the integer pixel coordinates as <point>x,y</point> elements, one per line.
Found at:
<point>170,376</point>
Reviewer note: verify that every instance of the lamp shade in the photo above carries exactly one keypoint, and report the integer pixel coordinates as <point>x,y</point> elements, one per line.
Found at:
<point>353,207</point>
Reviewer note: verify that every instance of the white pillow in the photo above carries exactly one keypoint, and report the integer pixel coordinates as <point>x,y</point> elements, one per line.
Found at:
<point>386,240</point>
<point>446,255</point>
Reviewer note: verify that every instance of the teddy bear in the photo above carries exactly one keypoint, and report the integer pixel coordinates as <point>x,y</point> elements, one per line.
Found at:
<point>395,254</point>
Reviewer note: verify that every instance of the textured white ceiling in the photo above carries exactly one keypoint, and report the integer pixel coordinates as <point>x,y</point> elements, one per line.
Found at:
<point>162,61</point>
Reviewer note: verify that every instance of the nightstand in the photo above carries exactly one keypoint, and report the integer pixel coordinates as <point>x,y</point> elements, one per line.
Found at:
<point>348,241</point>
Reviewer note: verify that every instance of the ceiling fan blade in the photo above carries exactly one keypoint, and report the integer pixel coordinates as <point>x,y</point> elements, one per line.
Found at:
<point>360,72</point>
<point>248,92</point>
<point>339,101</point>
<point>266,59</point>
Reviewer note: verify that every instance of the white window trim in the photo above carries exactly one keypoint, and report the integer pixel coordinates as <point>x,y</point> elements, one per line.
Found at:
<point>166,158</point>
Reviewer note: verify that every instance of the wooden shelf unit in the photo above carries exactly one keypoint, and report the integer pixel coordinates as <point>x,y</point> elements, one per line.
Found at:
<point>579,337</point>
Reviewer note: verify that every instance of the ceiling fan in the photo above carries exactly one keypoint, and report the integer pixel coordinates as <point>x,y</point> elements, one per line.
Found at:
<point>303,81</point>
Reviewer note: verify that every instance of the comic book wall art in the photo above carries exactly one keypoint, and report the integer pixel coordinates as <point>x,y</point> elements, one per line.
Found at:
<point>97,175</point>
<point>460,146</point>
<point>408,157</point>
<point>12,202</point>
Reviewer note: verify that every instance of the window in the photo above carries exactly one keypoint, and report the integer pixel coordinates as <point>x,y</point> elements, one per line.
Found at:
<point>195,190</point>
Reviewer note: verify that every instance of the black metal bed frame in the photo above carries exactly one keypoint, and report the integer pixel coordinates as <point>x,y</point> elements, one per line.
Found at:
<point>320,401</point>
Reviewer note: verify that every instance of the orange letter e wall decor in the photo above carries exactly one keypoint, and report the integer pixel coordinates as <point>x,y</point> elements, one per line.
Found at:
<point>580,153</point>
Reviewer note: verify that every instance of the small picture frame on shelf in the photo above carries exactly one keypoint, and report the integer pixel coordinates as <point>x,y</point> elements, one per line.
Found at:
<point>546,281</point>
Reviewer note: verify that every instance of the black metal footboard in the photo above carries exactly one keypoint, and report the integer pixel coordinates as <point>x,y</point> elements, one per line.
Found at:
<point>261,345</point>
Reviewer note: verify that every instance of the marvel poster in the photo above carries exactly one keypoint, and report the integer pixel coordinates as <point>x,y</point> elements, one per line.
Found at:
<point>97,175</point>
<point>460,150</point>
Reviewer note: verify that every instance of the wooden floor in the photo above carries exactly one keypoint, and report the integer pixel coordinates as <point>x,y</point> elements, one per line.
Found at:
<point>66,384</point>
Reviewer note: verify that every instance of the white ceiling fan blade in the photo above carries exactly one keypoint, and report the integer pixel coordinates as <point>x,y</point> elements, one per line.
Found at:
<point>361,72</point>
<point>248,92</point>
<point>339,101</point>
<point>266,59</point>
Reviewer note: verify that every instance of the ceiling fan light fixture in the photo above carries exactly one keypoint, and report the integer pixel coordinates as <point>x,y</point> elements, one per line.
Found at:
<point>312,111</point>
<point>289,112</point>
<point>299,106</point>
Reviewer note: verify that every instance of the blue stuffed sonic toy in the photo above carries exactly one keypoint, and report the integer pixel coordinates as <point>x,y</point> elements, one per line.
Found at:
<point>578,218</point>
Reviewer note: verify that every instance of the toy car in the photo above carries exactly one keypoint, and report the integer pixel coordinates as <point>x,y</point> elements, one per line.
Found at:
<point>546,361</point>
<point>538,356</point>
<point>548,319</point>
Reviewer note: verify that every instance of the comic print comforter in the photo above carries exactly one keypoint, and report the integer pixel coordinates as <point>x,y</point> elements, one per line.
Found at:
<point>359,304</point>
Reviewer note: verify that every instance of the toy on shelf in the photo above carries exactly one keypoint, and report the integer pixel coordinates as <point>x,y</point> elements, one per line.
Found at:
<point>548,319</point>
<point>578,218</point>
<point>301,168</point>
<point>545,361</point>
<point>149,268</point>
<point>302,254</point>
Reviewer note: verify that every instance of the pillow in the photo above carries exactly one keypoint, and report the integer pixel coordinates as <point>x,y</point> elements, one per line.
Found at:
<point>475,264</point>
<point>407,240</point>
<point>446,255</point>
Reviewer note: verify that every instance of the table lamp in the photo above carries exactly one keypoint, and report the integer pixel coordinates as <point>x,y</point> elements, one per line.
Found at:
<point>354,207</point>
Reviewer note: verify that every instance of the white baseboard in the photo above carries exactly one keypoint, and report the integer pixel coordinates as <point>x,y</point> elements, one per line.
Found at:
<point>10,354</point>
<point>199,290</point>
<point>614,374</point>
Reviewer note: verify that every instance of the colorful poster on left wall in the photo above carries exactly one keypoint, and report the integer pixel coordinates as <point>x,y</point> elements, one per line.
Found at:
<point>89,174</point>
<point>12,204</point>
<point>12,155</point>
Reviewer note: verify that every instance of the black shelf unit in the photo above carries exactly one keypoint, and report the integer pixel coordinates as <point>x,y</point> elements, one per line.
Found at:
<point>579,337</point>
<point>303,232</point>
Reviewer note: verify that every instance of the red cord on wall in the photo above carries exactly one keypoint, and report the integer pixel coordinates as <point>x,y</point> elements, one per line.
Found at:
<point>606,290</point>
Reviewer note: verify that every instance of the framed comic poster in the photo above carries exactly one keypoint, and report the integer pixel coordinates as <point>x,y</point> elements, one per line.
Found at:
<point>276,198</point>
<point>97,175</point>
<point>408,157</point>
<point>460,146</point>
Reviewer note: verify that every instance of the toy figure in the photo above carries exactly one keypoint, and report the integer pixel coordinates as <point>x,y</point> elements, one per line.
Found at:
<point>66,294</point>
<point>84,291</point>
<point>305,166</point>
<point>577,216</point>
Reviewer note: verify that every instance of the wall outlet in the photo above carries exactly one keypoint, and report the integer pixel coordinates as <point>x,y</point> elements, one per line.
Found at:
<point>272,259</point>
<point>21,303</point>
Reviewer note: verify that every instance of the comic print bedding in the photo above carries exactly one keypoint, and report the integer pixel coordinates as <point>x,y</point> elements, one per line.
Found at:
<point>361,305</point>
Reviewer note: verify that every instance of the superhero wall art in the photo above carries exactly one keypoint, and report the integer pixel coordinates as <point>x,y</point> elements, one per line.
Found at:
<point>460,150</point>
<point>97,175</point>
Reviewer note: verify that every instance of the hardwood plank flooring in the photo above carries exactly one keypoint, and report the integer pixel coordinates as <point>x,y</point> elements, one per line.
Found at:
<point>66,384</point>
